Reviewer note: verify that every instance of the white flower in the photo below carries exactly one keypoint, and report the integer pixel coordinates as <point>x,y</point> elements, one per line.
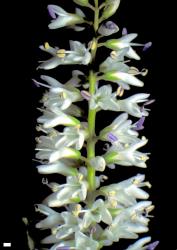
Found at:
<point>53,218</point>
<point>78,54</point>
<point>64,167</point>
<point>126,192</point>
<point>124,42</point>
<point>59,95</point>
<point>115,61</point>
<point>85,242</point>
<point>123,79</point>
<point>68,226</point>
<point>70,137</point>
<point>72,110</point>
<point>130,105</point>
<point>95,214</point>
<point>51,151</point>
<point>128,155</point>
<point>74,191</point>
<point>126,224</point>
<point>74,136</point>
<point>119,130</point>
<point>115,70</point>
<point>104,99</point>
<point>67,233</point>
<point>54,116</point>
<point>61,18</point>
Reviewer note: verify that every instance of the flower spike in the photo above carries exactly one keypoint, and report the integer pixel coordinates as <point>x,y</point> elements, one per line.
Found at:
<point>84,209</point>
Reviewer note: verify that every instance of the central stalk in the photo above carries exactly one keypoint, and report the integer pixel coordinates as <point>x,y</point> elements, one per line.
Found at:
<point>96,17</point>
<point>91,130</point>
<point>92,112</point>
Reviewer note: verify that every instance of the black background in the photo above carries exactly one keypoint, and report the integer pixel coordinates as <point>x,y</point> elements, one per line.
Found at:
<point>25,28</point>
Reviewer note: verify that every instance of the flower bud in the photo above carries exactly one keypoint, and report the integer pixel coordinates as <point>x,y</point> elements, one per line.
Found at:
<point>108,28</point>
<point>110,8</point>
<point>98,163</point>
<point>81,2</point>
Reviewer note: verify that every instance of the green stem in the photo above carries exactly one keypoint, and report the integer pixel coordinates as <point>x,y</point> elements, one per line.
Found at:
<point>91,129</point>
<point>92,112</point>
<point>91,7</point>
<point>96,17</point>
<point>102,6</point>
<point>100,45</point>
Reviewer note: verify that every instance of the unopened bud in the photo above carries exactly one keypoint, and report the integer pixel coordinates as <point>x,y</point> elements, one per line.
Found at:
<point>110,8</point>
<point>81,2</point>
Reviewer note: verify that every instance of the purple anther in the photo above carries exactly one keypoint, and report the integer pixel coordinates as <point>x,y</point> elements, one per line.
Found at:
<point>51,11</point>
<point>124,31</point>
<point>139,124</point>
<point>112,137</point>
<point>152,246</point>
<point>147,46</point>
<point>85,94</point>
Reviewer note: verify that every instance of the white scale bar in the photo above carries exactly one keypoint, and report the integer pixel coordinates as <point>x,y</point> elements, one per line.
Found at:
<point>6,244</point>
